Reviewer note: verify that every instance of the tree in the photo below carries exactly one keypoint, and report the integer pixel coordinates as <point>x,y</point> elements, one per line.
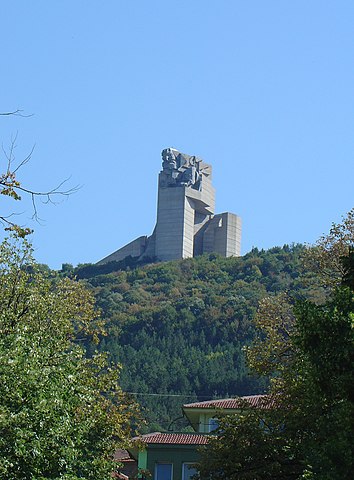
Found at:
<point>325,257</point>
<point>307,349</point>
<point>11,186</point>
<point>323,390</point>
<point>62,415</point>
<point>307,431</point>
<point>253,445</point>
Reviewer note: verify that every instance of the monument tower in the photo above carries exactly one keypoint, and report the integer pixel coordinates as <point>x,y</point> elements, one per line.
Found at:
<point>186,225</point>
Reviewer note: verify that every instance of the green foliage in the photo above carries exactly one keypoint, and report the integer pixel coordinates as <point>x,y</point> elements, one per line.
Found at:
<point>307,432</point>
<point>10,187</point>
<point>324,394</point>
<point>326,258</point>
<point>348,274</point>
<point>62,415</point>
<point>308,350</point>
<point>180,327</point>
<point>253,445</point>
<point>89,270</point>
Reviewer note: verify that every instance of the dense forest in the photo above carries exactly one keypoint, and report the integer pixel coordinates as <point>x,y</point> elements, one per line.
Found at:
<point>178,328</point>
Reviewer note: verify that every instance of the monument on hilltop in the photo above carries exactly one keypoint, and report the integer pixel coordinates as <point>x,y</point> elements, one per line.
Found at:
<point>186,224</point>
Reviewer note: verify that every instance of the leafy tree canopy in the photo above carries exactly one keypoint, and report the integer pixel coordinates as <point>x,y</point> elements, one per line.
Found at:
<point>179,328</point>
<point>307,349</point>
<point>62,415</point>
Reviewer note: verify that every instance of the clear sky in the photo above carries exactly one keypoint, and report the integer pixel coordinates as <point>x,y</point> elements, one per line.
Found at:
<point>262,90</point>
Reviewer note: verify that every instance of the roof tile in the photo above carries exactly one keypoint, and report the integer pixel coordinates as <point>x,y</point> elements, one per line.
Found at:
<point>175,438</point>
<point>232,403</point>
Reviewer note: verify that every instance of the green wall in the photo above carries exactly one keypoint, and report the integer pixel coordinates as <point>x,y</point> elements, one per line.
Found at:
<point>177,455</point>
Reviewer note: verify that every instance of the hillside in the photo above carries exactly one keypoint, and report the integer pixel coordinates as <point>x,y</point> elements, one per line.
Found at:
<point>178,327</point>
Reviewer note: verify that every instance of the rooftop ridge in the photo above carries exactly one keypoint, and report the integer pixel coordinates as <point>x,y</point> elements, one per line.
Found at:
<point>234,402</point>
<point>188,438</point>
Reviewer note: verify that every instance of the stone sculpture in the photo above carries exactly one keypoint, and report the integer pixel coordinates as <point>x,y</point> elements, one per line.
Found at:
<point>180,169</point>
<point>186,222</point>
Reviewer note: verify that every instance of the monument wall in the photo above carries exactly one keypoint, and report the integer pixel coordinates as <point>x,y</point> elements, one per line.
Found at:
<point>186,223</point>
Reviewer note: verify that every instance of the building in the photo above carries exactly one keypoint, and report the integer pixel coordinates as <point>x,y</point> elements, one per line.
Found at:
<point>168,456</point>
<point>186,224</point>
<point>173,455</point>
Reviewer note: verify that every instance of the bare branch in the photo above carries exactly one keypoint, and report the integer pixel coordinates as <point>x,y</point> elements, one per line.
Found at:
<point>15,113</point>
<point>10,186</point>
<point>25,160</point>
<point>49,193</point>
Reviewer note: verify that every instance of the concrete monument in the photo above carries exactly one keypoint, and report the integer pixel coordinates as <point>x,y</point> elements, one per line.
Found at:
<point>186,225</point>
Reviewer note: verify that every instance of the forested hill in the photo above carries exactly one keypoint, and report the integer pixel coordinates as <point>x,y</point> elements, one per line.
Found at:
<point>178,327</point>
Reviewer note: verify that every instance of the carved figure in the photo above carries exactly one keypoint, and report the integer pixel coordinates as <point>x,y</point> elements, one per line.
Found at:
<point>169,159</point>
<point>180,169</point>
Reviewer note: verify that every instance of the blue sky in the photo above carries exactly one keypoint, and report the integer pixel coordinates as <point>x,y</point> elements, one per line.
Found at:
<point>262,90</point>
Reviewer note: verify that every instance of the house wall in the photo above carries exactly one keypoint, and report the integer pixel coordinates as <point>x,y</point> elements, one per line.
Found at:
<point>199,420</point>
<point>175,454</point>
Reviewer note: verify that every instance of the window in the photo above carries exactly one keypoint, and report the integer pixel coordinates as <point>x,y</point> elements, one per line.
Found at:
<point>163,471</point>
<point>188,471</point>
<point>213,424</point>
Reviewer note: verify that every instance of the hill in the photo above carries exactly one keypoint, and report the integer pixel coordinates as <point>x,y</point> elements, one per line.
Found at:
<point>178,328</point>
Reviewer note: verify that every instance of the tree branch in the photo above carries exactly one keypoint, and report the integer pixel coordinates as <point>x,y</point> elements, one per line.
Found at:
<point>15,113</point>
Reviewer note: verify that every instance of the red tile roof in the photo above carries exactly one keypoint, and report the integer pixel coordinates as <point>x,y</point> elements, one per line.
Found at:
<point>175,438</point>
<point>232,403</point>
